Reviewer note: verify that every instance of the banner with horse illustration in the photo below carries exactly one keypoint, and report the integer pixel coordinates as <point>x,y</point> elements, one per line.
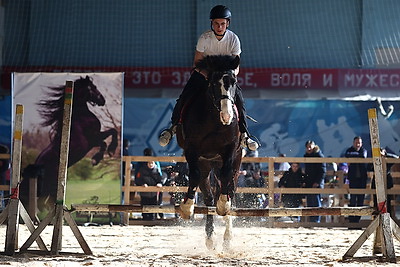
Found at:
<point>94,163</point>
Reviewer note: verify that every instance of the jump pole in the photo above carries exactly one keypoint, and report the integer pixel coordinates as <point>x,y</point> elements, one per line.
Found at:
<point>60,211</point>
<point>15,208</point>
<point>383,225</point>
<point>270,212</point>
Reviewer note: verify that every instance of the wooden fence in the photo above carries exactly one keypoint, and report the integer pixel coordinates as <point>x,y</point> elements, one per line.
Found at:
<point>337,191</point>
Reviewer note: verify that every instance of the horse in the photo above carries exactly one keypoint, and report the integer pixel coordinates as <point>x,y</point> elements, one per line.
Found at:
<point>210,137</point>
<point>85,134</point>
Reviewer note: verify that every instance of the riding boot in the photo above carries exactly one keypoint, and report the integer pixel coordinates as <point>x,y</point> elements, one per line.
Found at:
<point>166,135</point>
<point>246,140</point>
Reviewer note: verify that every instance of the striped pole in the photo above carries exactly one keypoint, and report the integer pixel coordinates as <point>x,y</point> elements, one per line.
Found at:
<point>13,206</point>
<point>62,169</point>
<point>377,161</point>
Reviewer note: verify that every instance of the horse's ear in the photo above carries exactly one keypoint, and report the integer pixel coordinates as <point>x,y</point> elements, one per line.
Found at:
<point>235,62</point>
<point>87,77</point>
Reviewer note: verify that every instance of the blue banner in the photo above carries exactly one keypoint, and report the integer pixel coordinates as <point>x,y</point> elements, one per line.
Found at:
<point>283,125</point>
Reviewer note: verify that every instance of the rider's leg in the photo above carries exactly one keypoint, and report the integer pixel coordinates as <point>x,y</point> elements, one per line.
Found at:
<point>195,83</point>
<point>247,141</point>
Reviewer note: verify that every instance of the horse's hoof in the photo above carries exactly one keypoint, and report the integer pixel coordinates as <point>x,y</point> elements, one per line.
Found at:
<point>187,208</point>
<point>226,246</point>
<point>223,205</point>
<point>210,244</point>
<point>96,159</point>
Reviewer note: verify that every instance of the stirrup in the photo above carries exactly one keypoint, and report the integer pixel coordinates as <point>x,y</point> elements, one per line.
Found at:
<point>249,143</point>
<point>166,136</point>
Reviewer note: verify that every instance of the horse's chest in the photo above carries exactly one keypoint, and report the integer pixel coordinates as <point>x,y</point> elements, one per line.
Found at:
<point>90,123</point>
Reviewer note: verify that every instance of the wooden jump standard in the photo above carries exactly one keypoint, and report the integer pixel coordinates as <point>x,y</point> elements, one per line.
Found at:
<point>271,212</point>
<point>383,226</point>
<point>14,208</point>
<point>60,212</point>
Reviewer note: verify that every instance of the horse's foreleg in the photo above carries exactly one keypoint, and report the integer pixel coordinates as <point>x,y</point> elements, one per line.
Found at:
<point>228,233</point>
<point>99,155</point>
<point>229,174</point>
<point>210,244</point>
<point>205,188</point>
<point>187,206</point>
<point>114,141</point>
<point>223,205</point>
<point>224,202</point>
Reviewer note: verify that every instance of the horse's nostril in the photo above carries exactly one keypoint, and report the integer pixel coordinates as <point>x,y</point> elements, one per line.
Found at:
<point>226,119</point>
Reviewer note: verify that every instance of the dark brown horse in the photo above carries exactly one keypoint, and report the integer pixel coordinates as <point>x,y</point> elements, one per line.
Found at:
<point>210,138</point>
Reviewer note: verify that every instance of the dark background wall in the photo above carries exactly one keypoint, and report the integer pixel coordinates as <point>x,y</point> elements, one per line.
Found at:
<point>274,33</point>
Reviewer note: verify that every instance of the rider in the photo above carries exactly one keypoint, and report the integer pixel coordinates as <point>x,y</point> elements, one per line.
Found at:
<point>217,41</point>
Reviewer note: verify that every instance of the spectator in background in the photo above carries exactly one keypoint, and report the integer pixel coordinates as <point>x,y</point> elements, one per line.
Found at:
<point>293,178</point>
<point>314,176</point>
<point>357,175</point>
<point>148,175</point>
<point>250,176</point>
<point>164,176</point>
<point>125,152</point>
<point>179,177</point>
<point>4,168</point>
<point>149,153</point>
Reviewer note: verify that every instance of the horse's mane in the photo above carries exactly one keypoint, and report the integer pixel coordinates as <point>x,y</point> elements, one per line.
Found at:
<point>218,63</point>
<point>52,107</point>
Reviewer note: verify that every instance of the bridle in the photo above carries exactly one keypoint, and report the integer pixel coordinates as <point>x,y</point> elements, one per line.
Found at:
<point>216,99</point>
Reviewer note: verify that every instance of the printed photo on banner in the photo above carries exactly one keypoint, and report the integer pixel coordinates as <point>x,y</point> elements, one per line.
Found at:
<point>94,159</point>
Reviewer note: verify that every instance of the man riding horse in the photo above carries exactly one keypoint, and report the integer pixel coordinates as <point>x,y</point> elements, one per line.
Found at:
<point>217,41</point>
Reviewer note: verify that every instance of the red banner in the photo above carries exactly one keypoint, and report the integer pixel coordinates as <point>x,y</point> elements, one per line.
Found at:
<point>249,78</point>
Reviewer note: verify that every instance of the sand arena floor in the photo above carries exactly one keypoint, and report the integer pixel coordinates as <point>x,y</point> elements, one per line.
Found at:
<point>184,245</point>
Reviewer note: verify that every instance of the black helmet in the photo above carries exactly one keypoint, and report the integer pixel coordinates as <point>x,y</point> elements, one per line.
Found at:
<point>220,12</point>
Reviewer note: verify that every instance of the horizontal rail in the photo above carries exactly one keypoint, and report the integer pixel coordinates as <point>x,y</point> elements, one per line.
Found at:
<point>266,159</point>
<point>5,156</point>
<point>4,187</point>
<point>264,190</point>
<point>271,212</point>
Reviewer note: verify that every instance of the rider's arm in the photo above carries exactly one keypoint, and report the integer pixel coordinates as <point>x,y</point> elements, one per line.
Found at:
<point>237,69</point>
<point>197,57</point>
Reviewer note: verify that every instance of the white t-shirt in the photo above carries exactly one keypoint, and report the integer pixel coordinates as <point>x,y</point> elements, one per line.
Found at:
<point>209,45</point>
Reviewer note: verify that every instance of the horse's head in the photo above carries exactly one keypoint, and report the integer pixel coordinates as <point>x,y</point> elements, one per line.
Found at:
<point>86,91</point>
<point>223,84</point>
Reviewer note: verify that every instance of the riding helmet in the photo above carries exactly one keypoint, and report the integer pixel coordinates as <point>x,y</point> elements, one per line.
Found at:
<point>220,12</point>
